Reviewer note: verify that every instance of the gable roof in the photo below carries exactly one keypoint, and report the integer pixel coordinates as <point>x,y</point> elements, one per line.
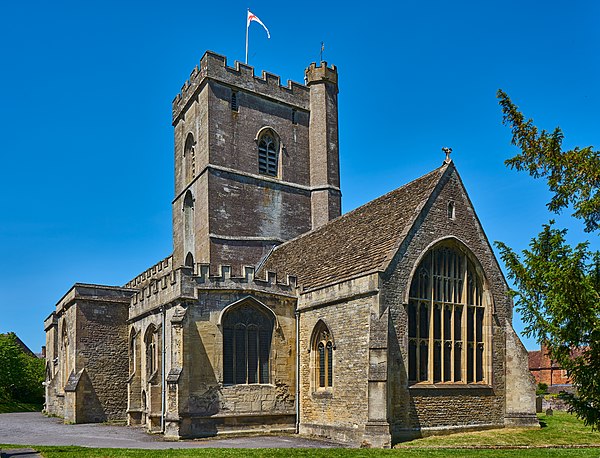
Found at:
<point>358,242</point>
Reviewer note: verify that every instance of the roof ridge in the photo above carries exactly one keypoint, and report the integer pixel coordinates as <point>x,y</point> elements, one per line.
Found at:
<point>418,209</point>
<point>358,241</point>
<point>346,215</point>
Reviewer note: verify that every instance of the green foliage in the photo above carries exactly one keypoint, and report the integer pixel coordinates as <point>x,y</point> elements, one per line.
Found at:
<point>21,376</point>
<point>573,176</point>
<point>542,388</point>
<point>559,285</point>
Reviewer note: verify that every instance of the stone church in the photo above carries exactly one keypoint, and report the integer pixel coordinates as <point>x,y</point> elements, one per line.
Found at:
<point>276,313</point>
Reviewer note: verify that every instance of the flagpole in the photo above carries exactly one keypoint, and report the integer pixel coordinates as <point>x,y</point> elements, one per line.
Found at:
<point>247,35</point>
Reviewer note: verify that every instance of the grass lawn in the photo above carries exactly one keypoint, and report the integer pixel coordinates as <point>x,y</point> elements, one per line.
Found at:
<point>561,429</point>
<point>558,429</point>
<point>13,406</point>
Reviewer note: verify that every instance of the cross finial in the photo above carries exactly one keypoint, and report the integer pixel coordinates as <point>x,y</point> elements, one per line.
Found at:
<point>448,151</point>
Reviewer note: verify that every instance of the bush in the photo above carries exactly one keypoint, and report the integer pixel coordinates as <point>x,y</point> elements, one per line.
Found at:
<point>542,388</point>
<point>22,375</point>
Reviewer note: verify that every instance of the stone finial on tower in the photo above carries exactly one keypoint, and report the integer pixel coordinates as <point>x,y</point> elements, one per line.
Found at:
<point>448,151</point>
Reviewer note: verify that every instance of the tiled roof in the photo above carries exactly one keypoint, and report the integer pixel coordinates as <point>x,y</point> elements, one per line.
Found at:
<point>361,241</point>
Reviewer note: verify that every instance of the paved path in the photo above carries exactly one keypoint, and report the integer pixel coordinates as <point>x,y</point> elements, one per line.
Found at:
<point>32,428</point>
<point>19,453</point>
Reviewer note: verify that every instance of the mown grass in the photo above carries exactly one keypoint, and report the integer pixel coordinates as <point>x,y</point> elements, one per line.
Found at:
<point>14,406</point>
<point>80,452</point>
<point>559,430</point>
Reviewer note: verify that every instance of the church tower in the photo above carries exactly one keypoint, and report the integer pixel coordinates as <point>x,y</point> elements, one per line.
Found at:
<point>256,163</point>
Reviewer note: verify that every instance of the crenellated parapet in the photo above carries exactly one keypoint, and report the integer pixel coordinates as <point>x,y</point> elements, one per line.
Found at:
<point>158,291</point>
<point>321,73</point>
<point>157,270</point>
<point>225,279</point>
<point>182,284</point>
<point>214,66</point>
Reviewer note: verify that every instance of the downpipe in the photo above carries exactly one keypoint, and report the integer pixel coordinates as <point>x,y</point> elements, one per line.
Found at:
<point>163,369</point>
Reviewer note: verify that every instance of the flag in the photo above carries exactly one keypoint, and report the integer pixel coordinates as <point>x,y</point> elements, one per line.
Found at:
<point>254,17</point>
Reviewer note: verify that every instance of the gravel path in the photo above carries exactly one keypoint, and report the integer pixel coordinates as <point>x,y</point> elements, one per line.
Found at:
<point>33,428</point>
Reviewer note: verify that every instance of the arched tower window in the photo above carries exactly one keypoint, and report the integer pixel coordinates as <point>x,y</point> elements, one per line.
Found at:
<point>268,153</point>
<point>322,348</point>
<point>189,158</point>
<point>247,332</point>
<point>188,223</point>
<point>447,319</point>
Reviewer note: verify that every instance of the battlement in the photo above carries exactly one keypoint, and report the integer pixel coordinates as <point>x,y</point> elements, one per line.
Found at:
<point>316,73</point>
<point>224,279</point>
<point>214,66</point>
<point>183,283</point>
<point>160,268</point>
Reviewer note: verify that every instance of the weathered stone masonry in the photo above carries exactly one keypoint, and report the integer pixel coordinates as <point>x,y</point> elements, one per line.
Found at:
<point>275,313</point>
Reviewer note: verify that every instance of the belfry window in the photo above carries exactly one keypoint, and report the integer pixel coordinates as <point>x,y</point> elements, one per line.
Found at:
<point>323,356</point>
<point>247,331</point>
<point>268,152</point>
<point>446,320</point>
<point>189,156</point>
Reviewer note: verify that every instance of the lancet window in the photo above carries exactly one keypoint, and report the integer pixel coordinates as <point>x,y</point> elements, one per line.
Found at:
<point>447,320</point>
<point>189,154</point>
<point>323,356</point>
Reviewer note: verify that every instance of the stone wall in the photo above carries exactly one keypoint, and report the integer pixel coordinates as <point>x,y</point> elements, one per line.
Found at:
<point>90,363</point>
<point>207,405</point>
<point>226,184</point>
<point>103,351</point>
<point>342,411</point>
<point>415,410</point>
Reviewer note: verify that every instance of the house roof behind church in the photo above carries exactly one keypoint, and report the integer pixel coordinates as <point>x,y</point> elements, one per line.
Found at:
<point>358,242</point>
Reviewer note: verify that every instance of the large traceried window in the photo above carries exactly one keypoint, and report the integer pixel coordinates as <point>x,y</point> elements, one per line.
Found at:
<point>247,332</point>
<point>268,153</point>
<point>447,320</point>
<point>322,346</point>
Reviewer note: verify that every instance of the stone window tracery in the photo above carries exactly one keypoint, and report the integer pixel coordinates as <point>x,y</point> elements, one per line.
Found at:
<point>268,153</point>
<point>323,360</point>
<point>247,332</point>
<point>447,320</point>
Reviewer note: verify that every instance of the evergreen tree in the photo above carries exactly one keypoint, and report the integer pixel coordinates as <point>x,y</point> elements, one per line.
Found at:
<point>558,286</point>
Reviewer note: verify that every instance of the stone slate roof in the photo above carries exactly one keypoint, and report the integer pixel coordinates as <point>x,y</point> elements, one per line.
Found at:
<point>361,241</point>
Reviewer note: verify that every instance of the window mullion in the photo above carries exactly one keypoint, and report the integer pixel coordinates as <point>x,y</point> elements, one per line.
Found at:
<point>431,339</point>
<point>465,333</point>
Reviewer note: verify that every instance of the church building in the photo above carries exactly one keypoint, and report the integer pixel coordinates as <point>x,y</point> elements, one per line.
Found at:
<point>274,312</point>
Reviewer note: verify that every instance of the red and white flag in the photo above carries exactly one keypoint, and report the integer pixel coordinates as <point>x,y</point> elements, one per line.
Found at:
<point>254,17</point>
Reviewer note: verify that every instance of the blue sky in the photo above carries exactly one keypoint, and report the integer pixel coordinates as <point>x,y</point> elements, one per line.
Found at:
<point>85,111</point>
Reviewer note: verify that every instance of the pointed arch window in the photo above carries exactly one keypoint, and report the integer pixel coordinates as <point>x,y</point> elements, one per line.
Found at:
<point>151,344</point>
<point>132,352</point>
<point>188,222</point>
<point>447,319</point>
<point>189,155</point>
<point>247,332</point>
<point>268,153</point>
<point>322,346</point>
